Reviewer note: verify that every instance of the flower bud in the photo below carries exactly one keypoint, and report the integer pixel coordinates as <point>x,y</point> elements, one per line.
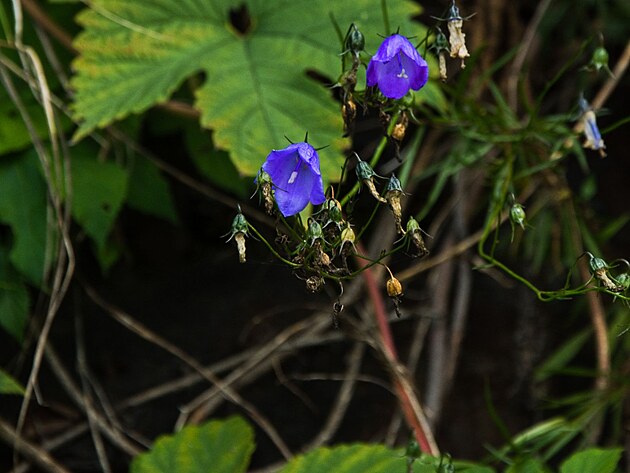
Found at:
<point>347,235</point>
<point>355,41</point>
<point>600,58</point>
<point>314,231</point>
<point>624,281</point>
<point>334,214</point>
<point>239,231</point>
<point>517,215</point>
<point>366,174</point>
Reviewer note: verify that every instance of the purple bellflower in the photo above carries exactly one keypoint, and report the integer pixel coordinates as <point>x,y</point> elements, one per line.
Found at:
<point>397,67</point>
<point>295,177</point>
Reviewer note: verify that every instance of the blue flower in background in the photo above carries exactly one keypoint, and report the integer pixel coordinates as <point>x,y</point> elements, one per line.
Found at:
<point>397,67</point>
<point>296,177</point>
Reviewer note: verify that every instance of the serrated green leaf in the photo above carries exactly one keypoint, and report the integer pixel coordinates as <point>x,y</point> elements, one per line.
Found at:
<point>356,458</point>
<point>217,446</point>
<point>8,385</point>
<point>23,208</point>
<point>136,54</point>
<point>149,192</point>
<point>99,189</point>
<point>593,460</point>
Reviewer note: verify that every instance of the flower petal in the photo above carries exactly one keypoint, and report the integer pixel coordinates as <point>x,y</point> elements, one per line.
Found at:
<point>296,177</point>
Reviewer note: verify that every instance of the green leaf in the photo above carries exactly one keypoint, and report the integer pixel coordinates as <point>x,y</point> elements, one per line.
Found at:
<point>136,54</point>
<point>217,446</point>
<point>23,208</point>
<point>149,192</point>
<point>356,458</point>
<point>8,385</point>
<point>593,460</point>
<point>99,189</point>
<point>14,298</point>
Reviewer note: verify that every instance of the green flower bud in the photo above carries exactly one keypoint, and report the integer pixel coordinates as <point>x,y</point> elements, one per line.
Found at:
<point>517,215</point>
<point>355,41</point>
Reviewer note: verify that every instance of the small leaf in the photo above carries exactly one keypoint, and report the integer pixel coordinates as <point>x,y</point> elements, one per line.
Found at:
<point>356,458</point>
<point>23,208</point>
<point>99,189</point>
<point>217,446</point>
<point>593,460</point>
<point>8,385</point>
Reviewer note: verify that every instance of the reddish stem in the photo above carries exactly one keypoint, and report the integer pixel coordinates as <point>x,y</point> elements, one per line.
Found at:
<point>380,313</point>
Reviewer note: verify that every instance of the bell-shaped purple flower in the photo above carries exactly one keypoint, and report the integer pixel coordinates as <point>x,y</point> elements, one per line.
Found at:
<point>397,67</point>
<point>295,177</point>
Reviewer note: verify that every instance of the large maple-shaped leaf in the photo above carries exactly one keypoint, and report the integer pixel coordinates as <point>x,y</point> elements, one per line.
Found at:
<point>256,90</point>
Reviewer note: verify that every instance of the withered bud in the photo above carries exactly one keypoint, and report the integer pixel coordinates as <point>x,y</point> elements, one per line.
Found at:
<point>441,47</point>
<point>393,192</point>
<point>398,133</point>
<point>264,185</point>
<point>457,38</point>
<point>240,245</point>
<point>314,283</point>
<point>394,288</point>
<point>606,281</point>
<point>348,112</point>
<point>415,234</point>
<point>442,66</point>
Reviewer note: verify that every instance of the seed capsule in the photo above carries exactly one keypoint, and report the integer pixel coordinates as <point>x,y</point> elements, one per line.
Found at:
<point>394,288</point>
